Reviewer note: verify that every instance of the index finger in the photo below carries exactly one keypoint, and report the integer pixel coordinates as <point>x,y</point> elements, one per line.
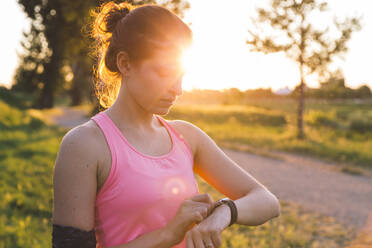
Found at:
<point>202,198</point>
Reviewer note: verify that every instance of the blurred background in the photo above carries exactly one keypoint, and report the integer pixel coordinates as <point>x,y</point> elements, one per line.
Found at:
<point>283,87</point>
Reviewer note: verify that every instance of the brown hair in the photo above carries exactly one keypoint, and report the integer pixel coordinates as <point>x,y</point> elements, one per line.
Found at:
<point>136,30</point>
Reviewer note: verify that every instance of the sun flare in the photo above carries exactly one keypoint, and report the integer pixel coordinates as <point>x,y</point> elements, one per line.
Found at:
<point>187,59</point>
<point>210,64</point>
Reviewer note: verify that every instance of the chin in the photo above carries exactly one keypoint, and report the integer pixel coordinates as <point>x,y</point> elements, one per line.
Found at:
<point>162,111</point>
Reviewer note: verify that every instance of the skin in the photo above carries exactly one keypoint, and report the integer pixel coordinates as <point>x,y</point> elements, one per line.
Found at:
<point>83,162</point>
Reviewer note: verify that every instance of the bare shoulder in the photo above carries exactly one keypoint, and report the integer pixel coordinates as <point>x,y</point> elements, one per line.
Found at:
<point>75,180</point>
<point>189,131</point>
<point>81,144</point>
<point>84,139</point>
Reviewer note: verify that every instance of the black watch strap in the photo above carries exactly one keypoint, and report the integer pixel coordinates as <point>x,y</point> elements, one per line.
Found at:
<point>232,206</point>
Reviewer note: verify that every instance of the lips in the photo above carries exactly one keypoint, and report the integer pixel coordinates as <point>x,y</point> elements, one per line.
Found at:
<point>170,100</point>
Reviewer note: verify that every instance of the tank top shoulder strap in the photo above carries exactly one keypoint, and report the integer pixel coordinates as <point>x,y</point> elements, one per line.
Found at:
<point>102,121</point>
<point>169,127</point>
<point>178,135</point>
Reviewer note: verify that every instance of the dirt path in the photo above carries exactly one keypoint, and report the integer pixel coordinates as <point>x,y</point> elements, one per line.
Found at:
<point>346,197</point>
<point>316,185</point>
<point>67,117</point>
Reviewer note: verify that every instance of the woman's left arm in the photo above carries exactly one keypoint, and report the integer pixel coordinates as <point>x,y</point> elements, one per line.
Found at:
<point>255,203</point>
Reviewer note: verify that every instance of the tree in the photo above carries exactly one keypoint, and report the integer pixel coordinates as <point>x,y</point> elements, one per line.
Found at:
<point>289,27</point>
<point>61,25</point>
<point>232,96</point>
<point>27,76</point>
<point>46,17</point>
<point>363,91</point>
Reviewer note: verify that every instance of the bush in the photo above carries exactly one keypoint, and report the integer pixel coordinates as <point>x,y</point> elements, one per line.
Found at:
<point>319,118</point>
<point>223,115</point>
<point>360,125</point>
<point>16,99</point>
<point>342,114</point>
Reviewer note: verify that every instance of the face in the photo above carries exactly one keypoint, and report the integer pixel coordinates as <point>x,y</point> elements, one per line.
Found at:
<point>155,83</point>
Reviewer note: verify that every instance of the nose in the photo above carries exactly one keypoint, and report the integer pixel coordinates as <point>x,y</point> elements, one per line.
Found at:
<point>177,86</point>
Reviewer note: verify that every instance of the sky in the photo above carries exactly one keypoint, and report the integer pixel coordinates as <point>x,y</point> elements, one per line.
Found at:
<point>219,57</point>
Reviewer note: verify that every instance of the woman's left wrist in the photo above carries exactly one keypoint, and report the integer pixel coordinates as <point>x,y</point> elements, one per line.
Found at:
<point>224,213</point>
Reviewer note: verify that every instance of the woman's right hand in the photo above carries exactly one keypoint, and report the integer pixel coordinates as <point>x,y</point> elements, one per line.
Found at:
<point>192,210</point>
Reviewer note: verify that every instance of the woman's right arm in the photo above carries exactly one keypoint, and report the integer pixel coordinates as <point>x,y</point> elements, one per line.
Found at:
<point>75,188</point>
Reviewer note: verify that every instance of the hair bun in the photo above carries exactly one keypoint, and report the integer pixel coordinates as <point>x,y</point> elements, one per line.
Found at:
<point>107,17</point>
<point>116,13</point>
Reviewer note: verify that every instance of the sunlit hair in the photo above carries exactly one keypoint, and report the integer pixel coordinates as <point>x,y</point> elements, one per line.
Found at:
<point>137,30</point>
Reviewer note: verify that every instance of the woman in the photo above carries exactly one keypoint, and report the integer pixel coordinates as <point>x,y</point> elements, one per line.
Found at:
<point>125,177</point>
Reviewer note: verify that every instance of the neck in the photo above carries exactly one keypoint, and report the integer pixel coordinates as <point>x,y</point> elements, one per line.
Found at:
<point>128,114</point>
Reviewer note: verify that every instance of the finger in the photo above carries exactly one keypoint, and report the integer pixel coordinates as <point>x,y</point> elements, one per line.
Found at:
<point>201,204</point>
<point>211,208</point>
<point>208,243</point>
<point>203,211</point>
<point>189,242</point>
<point>194,197</point>
<point>198,217</point>
<point>216,239</point>
<point>198,206</point>
<point>202,198</point>
<point>197,238</point>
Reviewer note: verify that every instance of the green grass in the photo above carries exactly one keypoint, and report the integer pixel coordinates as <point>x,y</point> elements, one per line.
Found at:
<point>295,228</point>
<point>28,149</point>
<point>27,152</point>
<point>334,131</point>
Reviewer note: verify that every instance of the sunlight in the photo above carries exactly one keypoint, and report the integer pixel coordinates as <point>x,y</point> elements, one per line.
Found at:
<point>210,64</point>
<point>219,57</point>
<point>187,59</point>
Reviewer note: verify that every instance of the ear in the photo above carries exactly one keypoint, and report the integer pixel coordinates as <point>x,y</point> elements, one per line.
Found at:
<point>122,62</point>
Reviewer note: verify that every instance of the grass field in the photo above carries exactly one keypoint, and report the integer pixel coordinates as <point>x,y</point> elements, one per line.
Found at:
<point>337,131</point>
<point>28,148</point>
<point>27,152</point>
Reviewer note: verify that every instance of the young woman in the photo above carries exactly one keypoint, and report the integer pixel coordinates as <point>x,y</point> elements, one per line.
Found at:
<point>125,178</point>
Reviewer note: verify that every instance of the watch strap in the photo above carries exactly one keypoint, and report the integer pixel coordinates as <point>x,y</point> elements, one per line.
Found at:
<point>232,206</point>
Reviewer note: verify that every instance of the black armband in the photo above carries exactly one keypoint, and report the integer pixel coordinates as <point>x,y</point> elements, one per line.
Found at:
<point>72,237</point>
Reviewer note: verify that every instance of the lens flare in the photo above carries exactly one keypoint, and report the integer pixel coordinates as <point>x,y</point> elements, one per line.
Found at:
<point>174,186</point>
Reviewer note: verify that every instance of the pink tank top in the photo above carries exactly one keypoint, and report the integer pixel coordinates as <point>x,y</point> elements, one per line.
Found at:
<point>142,193</point>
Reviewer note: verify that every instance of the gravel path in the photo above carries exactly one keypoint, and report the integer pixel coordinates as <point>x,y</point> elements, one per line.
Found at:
<point>346,197</point>
<point>68,117</point>
<point>314,184</point>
